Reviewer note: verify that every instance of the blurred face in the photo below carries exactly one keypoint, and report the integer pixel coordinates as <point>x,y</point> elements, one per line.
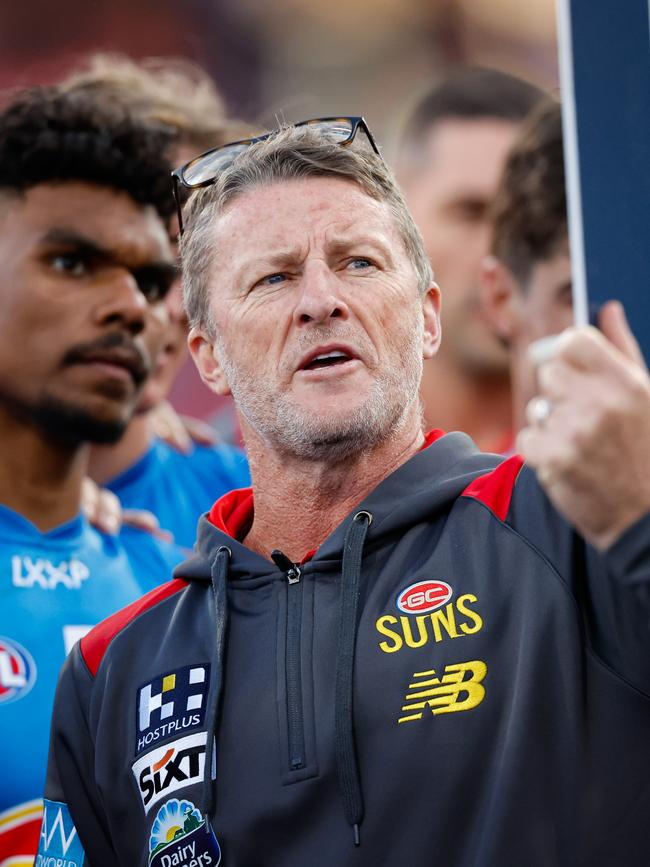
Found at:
<point>174,350</point>
<point>320,327</point>
<point>543,308</point>
<point>83,275</point>
<point>523,314</point>
<point>448,194</point>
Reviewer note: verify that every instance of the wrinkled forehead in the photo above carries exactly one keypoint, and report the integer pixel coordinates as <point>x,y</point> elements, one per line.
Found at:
<point>308,209</point>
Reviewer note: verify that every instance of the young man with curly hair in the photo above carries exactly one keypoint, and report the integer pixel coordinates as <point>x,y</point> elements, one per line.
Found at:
<point>85,265</point>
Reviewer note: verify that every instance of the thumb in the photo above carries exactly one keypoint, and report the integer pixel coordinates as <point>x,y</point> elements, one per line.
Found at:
<point>614,325</point>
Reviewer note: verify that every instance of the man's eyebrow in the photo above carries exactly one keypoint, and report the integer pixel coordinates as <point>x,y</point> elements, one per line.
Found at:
<point>89,247</point>
<point>68,238</point>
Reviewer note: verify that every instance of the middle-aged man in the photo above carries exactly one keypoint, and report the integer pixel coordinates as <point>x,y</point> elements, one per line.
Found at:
<point>394,649</point>
<point>85,264</point>
<point>449,161</point>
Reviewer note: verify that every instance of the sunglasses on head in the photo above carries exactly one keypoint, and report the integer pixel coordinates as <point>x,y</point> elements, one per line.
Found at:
<point>203,171</point>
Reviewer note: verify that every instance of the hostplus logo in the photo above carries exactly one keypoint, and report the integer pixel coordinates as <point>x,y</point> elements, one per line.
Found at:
<point>17,671</point>
<point>170,704</point>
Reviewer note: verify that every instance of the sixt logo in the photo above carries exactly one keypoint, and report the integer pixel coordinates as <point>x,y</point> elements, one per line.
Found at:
<point>423,597</point>
<point>169,768</point>
<point>17,671</point>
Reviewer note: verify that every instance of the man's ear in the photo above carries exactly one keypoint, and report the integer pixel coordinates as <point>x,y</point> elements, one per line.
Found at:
<point>499,297</point>
<point>203,351</point>
<point>431,312</point>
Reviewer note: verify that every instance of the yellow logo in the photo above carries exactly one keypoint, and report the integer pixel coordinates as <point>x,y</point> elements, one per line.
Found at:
<point>452,621</point>
<point>459,688</point>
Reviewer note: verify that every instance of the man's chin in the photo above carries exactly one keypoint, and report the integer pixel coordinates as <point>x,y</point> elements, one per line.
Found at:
<point>74,425</point>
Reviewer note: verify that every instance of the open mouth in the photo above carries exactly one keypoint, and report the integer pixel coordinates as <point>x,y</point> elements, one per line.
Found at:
<point>327,359</point>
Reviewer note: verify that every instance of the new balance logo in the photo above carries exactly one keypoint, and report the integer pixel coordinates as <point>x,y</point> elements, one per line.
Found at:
<point>460,688</point>
<point>171,703</point>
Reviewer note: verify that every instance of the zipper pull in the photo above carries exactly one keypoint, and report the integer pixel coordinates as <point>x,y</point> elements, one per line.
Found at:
<point>286,565</point>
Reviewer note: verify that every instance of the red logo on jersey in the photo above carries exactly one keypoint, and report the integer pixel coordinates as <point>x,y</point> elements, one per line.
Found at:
<point>17,670</point>
<point>424,596</point>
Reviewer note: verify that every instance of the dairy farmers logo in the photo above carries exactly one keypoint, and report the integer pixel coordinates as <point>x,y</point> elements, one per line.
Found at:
<point>181,837</point>
<point>169,768</point>
<point>17,671</point>
<point>423,597</point>
<point>171,704</point>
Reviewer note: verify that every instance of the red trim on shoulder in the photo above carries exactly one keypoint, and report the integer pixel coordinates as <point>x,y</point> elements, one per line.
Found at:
<point>233,513</point>
<point>95,643</point>
<point>431,437</point>
<point>495,488</point>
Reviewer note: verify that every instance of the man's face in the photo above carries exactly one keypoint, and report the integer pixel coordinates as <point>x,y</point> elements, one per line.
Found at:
<point>320,327</point>
<point>448,193</point>
<point>522,314</point>
<point>542,308</point>
<point>83,274</point>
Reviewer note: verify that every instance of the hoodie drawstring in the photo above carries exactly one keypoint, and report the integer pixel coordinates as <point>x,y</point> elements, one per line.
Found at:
<point>219,574</point>
<point>346,754</point>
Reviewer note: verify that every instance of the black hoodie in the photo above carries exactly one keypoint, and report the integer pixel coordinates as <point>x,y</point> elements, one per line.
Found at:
<point>453,678</point>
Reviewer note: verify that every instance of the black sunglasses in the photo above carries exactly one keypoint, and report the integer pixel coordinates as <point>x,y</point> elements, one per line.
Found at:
<point>202,171</point>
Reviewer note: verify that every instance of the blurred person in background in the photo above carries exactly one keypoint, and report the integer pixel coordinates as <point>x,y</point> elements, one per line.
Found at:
<point>527,276</point>
<point>85,267</point>
<point>450,158</point>
<point>143,469</point>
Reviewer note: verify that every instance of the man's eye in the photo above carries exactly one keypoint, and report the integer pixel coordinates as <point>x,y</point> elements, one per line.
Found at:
<point>360,264</point>
<point>70,264</point>
<point>154,288</point>
<point>274,279</point>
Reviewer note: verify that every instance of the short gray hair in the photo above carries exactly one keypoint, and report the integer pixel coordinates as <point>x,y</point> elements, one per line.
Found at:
<point>292,153</point>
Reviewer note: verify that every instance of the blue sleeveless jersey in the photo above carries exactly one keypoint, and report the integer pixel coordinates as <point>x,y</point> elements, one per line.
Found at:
<point>178,488</point>
<point>55,587</point>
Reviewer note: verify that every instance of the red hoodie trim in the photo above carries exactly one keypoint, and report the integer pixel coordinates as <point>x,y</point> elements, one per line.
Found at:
<point>95,643</point>
<point>233,513</point>
<point>495,488</point>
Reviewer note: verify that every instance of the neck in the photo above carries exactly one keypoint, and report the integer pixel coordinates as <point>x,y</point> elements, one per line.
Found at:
<point>108,462</point>
<point>298,503</point>
<point>455,399</point>
<point>39,478</point>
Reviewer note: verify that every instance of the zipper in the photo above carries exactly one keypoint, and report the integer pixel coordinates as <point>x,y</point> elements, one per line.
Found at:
<point>295,721</point>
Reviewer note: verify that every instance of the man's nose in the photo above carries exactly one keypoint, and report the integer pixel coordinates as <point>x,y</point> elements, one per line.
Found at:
<point>122,302</point>
<point>321,296</point>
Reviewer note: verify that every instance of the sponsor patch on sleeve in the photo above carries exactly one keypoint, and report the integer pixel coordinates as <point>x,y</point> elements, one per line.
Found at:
<point>181,837</point>
<point>171,704</point>
<point>59,842</point>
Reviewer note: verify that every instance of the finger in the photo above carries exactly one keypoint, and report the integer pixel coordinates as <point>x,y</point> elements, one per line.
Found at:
<point>141,519</point>
<point>147,522</point>
<point>614,325</point>
<point>558,380</point>
<point>200,432</point>
<point>108,512</point>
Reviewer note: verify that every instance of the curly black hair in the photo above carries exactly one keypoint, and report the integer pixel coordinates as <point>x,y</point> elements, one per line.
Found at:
<point>51,136</point>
